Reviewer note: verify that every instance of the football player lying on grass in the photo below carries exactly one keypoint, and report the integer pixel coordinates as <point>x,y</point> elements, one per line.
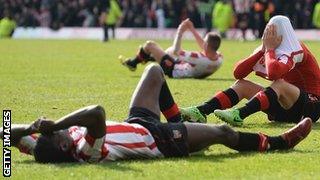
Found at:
<point>178,63</point>
<point>295,89</point>
<point>84,135</point>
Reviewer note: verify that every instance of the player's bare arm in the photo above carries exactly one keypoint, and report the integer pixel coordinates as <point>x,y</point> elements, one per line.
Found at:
<point>176,46</point>
<point>196,35</point>
<point>18,131</point>
<point>91,117</point>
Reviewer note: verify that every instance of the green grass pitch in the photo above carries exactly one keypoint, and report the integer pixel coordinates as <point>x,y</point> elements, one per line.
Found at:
<point>52,78</point>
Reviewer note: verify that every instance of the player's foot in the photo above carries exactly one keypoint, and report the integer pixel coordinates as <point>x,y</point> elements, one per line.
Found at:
<point>128,63</point>
<point>192,114</point>
<point>296,134</point>
<point>230,116</point>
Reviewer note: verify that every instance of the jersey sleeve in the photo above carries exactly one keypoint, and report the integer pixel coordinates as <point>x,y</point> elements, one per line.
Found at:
<point>90,149</point>
<point>277,67</point>
<point>244,67</point>
<point>27,144</point>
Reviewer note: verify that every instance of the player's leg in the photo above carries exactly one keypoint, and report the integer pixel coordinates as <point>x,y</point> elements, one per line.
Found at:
<point>105,31</point>
<point>113,31</point>
<point>241,89</point>
<point>141,57</point>
<point>280,92</point>
<point>165,60</point>
<point>152,93</point>
<point>201,136</point>
<point>151,51</point>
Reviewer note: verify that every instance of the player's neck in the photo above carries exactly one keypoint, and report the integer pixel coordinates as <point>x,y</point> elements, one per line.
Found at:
<point>212,56</point>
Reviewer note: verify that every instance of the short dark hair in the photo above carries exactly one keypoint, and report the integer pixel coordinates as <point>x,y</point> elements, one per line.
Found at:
<point>46,152</point>
<point>213,40</point>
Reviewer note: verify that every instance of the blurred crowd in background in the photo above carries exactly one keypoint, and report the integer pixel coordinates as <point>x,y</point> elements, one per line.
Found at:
<point>218,14</point>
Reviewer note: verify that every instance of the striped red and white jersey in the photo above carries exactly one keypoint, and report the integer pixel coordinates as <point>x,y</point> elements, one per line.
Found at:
<point>122,141</point>
<point>195,65</point>
<point>27,144</point>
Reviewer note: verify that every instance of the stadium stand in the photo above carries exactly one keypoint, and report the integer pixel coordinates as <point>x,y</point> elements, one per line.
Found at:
<point>146,13</point>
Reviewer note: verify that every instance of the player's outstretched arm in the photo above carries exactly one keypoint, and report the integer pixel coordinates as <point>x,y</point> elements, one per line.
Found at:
<point>196,35</point>
<point>91,117</point>
<point>178,37</point>
<point>17,132</point>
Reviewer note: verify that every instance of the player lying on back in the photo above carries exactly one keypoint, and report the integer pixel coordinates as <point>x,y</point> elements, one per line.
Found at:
<point>178,63</point>
<point>85,136</point>
<point>295,89</point>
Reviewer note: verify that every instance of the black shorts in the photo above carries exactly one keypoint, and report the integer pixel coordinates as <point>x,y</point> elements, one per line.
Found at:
<point>171,138</point>
<point>307,105</point>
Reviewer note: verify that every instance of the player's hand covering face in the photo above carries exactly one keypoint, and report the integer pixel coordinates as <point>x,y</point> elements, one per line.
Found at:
<point>42,125</point>
<point>270,38</point>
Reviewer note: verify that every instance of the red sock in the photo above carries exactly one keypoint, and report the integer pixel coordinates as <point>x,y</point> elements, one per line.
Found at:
<point>167,105</point>
<point>221,100</point>
<point>260,102</point>
<point>172,114</point>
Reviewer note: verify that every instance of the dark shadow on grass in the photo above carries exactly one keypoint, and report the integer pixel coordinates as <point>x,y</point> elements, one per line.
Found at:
<point>270,125</point>
<point>125,165</point>
<point>205,79</point>
<point>215,158</point>
<point>118,165</point>
<point>218,79</point>
<point>136,76</point>
<point>273,124</point>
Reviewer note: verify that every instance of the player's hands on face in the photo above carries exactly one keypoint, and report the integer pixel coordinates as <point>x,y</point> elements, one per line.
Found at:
<point>270,38</point>
<point>42,125</point>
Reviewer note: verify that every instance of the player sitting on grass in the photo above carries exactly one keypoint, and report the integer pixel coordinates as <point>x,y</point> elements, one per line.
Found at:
<point>178,63</point>
<point>293,70</point>
<point>84,135</point>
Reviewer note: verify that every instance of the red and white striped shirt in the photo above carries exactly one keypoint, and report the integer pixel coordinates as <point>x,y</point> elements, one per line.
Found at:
<point>122,141</point>
<point>27,144</point>
<point>195,64</point>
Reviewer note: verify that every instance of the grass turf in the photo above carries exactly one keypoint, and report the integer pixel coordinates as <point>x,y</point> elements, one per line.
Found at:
<point>52,78</point>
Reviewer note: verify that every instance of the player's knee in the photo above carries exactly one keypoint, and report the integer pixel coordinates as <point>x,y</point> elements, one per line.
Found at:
<point>278,82</point>
<point>279,85</point>
<point>149,44</point>
<point>240,86</point>
<point>154,71</point>
<point>99,112</point>
<point>241,83</point>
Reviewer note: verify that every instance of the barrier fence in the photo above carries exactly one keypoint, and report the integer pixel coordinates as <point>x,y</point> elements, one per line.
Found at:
<point>133,33</point>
